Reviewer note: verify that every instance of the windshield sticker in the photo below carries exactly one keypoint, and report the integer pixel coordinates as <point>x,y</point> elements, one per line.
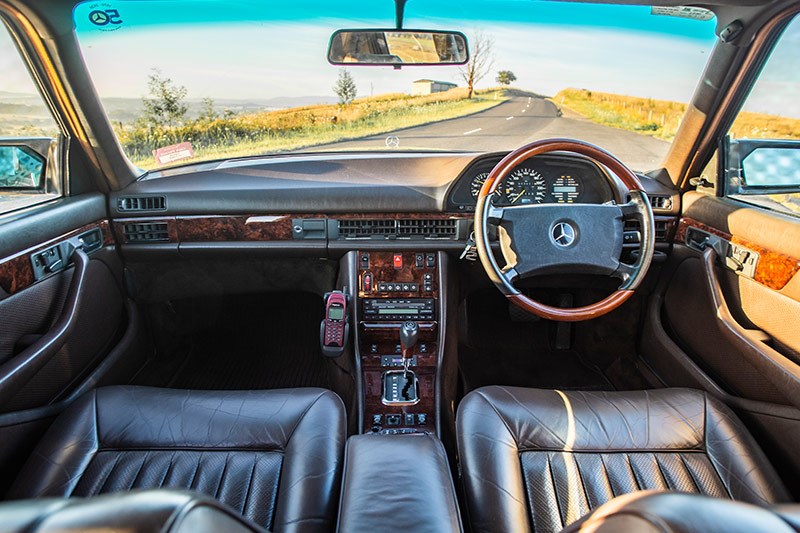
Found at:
<point>687,12</point>
<point>174,152</point>
<point>104,17</point>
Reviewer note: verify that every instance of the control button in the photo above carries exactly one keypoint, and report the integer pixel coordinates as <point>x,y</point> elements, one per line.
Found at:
<point>373,348</point>
<point>423,348</point>
<point>631,237</point>
<point>364,259</point>
<point>414,287</point>
<point>406,287</point>
<point>377,420</point>
<point>398,348</point>
<point>366,283</point>
<point>430,260</point>
<point>428,287</point>
<point>398,260</point>
<point>422,419</point>
<point>409,419</point>
<point>419,260</point>
<point>427,277</point>
<point>393,420</point>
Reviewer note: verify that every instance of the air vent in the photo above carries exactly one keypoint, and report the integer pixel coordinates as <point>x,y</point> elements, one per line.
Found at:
<point>658,201</point>
<point>427,228</point>
<point>660,225</point>
<point>146,232</point>
<point>142,203</point>
<point>405,228</point>
<point>366,228</point>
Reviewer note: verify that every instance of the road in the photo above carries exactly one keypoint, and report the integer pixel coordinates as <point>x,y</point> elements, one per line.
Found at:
<point>515,122</point>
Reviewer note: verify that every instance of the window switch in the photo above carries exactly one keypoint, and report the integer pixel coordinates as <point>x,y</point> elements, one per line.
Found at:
<point>409,419</point>
<point>393,420</point>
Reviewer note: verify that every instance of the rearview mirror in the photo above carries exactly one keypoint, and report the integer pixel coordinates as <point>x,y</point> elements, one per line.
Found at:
<point>397,47</point>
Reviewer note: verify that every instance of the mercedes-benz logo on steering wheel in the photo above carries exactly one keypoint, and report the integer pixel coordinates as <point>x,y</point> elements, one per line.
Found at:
<point>563,234</point>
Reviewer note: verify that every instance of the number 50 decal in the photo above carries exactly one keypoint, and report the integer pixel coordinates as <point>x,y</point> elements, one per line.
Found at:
<point>105,17</point>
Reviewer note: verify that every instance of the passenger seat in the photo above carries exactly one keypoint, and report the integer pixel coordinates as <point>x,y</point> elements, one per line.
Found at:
<point>274,456</point>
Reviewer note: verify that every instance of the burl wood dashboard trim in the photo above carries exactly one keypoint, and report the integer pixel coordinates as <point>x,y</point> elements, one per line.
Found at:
<point>253,228</point>
<point>16,271</point>
<point>774,269</point>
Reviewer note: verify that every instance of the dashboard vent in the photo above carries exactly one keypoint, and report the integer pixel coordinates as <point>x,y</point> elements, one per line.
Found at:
<point>142,203</point>
<point>660,225</point>
<point>658,201</point>
<point>404,228</point>
<point>146,232</point>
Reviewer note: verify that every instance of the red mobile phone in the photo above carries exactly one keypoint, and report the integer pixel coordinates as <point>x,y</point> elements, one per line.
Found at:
<point>335,319</point>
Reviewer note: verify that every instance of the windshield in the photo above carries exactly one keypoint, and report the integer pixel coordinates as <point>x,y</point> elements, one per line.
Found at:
<point>184,82</point>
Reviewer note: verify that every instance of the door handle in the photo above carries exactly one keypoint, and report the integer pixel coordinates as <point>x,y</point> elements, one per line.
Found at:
<point>18,370</point>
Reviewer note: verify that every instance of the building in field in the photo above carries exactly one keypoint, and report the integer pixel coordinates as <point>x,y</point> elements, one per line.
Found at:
<point>421,87</point>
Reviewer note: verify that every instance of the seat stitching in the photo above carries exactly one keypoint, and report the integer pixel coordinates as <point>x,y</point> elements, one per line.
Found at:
<point>196,470</point>
<point>108,475</point>
<point>222,476</point>
<point>138,472</point>
<point>561,516</point>
<point>691,474</point>
<point>249,484</point>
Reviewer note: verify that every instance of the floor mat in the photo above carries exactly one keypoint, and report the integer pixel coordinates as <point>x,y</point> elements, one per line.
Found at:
<point>498,351</point>
<point>253,342</point>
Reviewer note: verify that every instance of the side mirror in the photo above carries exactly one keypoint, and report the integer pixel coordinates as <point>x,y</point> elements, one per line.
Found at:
<point>23,163</point>
<point>397,47</point>
<point>761,166</point>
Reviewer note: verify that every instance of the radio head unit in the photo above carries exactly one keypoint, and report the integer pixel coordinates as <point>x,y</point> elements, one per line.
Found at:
<point>417,309</point>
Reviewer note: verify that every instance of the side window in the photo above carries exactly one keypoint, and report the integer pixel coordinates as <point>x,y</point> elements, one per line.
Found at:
<point>762,150</point>
<point>29,135</point>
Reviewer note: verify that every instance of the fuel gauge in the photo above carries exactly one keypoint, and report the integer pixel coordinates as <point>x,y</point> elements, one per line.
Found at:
<point>566,189</point>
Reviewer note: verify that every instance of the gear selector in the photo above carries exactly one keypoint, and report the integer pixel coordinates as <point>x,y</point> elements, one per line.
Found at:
<point>400,387</point>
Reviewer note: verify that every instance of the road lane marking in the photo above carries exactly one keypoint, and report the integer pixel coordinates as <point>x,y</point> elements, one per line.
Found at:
<point>509,118</point>
<point>472,131</point>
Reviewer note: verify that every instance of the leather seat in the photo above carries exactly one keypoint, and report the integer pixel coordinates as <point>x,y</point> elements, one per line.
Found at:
<point>541,459</point>
<point>274,456</point>
<point>672,512</point>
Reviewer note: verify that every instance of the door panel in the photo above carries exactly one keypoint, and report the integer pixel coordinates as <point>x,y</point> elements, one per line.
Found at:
<point>36,370</point>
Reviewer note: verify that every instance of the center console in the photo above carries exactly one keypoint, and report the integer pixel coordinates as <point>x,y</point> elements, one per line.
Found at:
<point>398,339</point>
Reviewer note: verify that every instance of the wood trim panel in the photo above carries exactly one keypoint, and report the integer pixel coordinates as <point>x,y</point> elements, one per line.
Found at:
<point>774,269</point>
<point>16,272</point>
<point>243,228</point>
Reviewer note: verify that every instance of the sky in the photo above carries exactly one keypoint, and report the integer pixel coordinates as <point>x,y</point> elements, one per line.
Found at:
<point>241,49</point>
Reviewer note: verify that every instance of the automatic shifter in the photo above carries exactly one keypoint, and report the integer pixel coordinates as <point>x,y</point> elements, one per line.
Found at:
<point>401,387</point>
<point>409,333</point>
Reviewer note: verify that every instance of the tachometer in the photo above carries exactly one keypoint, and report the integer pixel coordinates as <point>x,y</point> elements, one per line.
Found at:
<point>525,186</point>
<point>566,189</point>
<point>477,183</point>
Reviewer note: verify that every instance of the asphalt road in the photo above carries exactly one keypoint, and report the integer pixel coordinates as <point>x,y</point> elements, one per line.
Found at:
<point>513,123</point>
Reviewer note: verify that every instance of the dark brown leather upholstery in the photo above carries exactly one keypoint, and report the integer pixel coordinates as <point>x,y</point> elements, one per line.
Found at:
<point>275,456</point>
<point>397,483</point>
<point>541,459</point>
<point>671,512</point>
<point>152,511</point>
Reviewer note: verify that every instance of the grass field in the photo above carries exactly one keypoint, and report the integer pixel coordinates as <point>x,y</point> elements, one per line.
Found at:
<point>296,128</point>
<point>661,118</point>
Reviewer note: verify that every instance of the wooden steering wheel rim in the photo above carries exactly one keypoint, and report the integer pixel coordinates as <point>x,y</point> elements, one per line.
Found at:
<point>599,155</point>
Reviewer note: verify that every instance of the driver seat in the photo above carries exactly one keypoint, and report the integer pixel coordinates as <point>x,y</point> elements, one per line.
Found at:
<point>539,460</point>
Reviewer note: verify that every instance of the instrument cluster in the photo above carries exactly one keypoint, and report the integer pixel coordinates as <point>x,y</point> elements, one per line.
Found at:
<point>540,180</point>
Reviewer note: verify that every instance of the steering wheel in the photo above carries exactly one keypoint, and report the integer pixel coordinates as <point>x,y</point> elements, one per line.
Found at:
<point>538,239</point>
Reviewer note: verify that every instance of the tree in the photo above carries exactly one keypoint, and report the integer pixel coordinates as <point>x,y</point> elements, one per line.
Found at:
<point>480,62</point>
<point>165,105</point>
<point>345,87</point>
<point>207,112</point>
<point>506,77</point>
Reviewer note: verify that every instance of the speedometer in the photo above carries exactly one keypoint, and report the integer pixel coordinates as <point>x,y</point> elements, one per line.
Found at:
<point>566,189</point>
<point>477,183</point>
<point>525,186</point>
